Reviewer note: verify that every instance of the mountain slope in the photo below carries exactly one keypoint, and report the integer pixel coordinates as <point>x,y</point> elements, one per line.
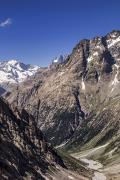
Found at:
<point>24,151</point>
<point>77,100</point>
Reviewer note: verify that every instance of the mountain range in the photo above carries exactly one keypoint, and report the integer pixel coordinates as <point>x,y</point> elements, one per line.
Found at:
<point>76,104</point>
<point>14,72</point>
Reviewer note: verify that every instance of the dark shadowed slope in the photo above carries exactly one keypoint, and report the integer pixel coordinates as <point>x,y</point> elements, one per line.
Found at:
<point>24,152</point>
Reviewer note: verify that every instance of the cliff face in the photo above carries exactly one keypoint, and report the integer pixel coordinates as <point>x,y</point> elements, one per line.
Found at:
<point>75,101</point>
<point>24,152</point>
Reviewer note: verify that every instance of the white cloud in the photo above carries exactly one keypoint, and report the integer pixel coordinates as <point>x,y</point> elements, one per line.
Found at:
<point>5,23</point>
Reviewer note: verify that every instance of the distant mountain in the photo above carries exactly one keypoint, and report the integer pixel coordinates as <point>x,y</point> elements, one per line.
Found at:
<point>24,152</point>
<point>59,59</point>
<point>13,71</point>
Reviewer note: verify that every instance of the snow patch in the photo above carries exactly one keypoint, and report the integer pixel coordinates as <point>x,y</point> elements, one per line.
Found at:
<point>52,138</point>
<point>118,59</point>
<point>55,60</point>
<point>12,62</point>
<point>115,81</point>
<point>70,177</point>
<point>89,59</point>
<point>59,59</point>
<point>95,53</point>
<point>83,84</point>
<point>112,42</point>
<point>61,145</point>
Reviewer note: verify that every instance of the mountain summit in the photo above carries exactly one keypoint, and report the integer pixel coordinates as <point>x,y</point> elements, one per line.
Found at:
<point>12,71</point>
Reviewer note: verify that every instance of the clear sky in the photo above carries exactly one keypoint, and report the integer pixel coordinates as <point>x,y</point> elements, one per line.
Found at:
<point>36,31</point>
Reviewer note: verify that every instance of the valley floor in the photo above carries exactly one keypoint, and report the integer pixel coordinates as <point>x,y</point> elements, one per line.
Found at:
<point>112,172</point>
<point>100,172</point>
<point>68,175</point>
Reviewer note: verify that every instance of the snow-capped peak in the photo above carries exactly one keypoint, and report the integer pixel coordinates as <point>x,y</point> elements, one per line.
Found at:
<point>60,59</point>
<point>13,71</point>
<point>12,62</point>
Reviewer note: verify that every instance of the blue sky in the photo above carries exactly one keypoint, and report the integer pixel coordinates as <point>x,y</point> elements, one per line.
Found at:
<point>36,31</point>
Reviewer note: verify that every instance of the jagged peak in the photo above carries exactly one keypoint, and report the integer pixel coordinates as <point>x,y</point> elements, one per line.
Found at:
<point>114,33</point>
